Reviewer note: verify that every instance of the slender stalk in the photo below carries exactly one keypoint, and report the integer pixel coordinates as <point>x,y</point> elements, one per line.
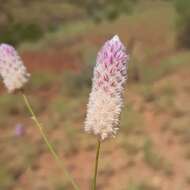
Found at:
<point>96,165</point>
<point>49,145</point>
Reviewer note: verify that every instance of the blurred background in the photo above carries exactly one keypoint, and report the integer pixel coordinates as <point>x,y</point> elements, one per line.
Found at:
<point>58,41</point>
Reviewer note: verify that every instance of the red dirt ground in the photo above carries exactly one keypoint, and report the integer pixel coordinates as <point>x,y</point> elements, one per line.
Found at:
<point>51,60</point>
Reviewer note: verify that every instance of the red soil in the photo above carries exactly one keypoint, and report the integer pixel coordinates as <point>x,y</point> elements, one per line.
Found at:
<point>51,60</point>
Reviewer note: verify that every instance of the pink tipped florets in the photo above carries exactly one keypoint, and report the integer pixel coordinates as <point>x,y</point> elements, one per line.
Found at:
<point>110,71</point>
<point>105,100</point>
<point>12,70</point>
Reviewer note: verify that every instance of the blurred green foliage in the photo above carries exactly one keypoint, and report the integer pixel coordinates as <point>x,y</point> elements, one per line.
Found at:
<point>43,80</point>
<point>183,22</point>
<point>105,9</point>
<point>140,186</point>
<point>155,160</point>
<point>76,83</point>
<point>11,105</point>
<point>6,180</point>
<point>20,32</point>
<point>19,25</point>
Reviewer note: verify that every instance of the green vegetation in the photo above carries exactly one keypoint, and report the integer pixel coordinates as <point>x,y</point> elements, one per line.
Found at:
<point>100,10</point>
<point>183,22</point>
<point>6,180</point>
<point>42,80</point>
<point>20,32</point>
<point>74,84</point>
<point>140,186</point>
<point>11,105</point>
<point>18,26</point>
<point>131,121</point>
<point>155,161</point>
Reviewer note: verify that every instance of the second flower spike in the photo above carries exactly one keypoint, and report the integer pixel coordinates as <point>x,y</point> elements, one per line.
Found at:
<point>12,70</point>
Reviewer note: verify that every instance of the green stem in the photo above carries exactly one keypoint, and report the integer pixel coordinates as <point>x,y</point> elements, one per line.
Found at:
<point>96,165</point>
<point>50,147</point>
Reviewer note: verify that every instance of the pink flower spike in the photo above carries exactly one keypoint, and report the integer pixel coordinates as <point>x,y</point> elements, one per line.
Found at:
<point>12,70</point>
<point>106,101</point>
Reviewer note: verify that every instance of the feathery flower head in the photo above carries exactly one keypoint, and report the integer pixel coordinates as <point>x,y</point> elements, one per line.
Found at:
<point>12,70</point>
<point>105,101</point>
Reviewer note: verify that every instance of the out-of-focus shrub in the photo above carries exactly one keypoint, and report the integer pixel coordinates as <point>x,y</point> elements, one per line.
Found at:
<point>108,9</point>
<point>18,32</point>
<point>6,180</point>
<point>75,83</point>
<point>42,80</point>
<point>143,185</point>
<point>13,106</point>
<point>183,22</point>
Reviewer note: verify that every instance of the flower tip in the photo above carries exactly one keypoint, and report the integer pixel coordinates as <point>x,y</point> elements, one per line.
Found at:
<point>7,49</point>
<point>3,45</point>
<point>116,38</point>
<point>116,42</point>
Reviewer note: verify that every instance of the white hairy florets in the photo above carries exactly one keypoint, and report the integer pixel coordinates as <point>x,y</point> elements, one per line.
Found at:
<point>12,70</point>
<point>103,114</point>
